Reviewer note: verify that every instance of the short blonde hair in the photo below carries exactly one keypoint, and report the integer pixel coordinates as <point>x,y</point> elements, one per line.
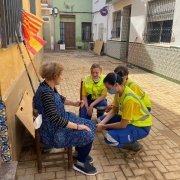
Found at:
<point>50,71</point>
<point>96,66</point>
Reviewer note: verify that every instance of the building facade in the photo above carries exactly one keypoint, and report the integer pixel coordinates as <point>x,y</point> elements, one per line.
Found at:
<point>48,25</point>
<point>13,77</point>
<point>100,23</point>
<point>73,23</point>
<point>146,33</point>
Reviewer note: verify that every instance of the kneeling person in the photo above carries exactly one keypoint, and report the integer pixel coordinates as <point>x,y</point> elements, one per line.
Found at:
<point>94,93</point>
<point>129,120</point>
<point>123,72</point>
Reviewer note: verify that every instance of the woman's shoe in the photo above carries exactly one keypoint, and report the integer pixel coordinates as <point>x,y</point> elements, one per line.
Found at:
<point>136,146</point>
<point>85,168</point>
<point>89,158</point>
<point>133,150</point>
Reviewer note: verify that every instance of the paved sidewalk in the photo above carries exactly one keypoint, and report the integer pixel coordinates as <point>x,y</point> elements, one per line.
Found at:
<point>161,157</point>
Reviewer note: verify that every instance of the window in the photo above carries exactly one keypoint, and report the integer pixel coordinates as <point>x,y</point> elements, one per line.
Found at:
<point>160,31</point>
<point>10,17</point>
<point>160,21</point>
<point>62,34</point>
<point>116,24</point>
<point>86,31</point>
<point>33,6</point>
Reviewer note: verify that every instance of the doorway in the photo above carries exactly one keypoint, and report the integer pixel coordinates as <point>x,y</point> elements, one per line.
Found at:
<point>67,31</point>
<point>69,35</point>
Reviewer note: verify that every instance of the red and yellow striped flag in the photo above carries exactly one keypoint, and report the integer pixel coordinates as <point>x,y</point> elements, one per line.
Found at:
<point>31,25</point>
<point>35,44</point>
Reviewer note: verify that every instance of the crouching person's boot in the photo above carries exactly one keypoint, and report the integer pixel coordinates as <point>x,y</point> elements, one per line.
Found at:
<point>133,149</point>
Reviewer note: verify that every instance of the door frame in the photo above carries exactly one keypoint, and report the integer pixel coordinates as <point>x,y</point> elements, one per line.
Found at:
<point>72,18</point>
<point>129,28</point>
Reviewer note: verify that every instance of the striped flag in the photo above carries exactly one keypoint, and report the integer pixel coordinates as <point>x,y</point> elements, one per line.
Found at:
<point>31,25</point>
<point>35,44</point>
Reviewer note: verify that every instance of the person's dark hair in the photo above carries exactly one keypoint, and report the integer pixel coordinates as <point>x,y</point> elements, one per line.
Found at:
<point>96,66</point>
<point>121,71</point>
<point>113,78</point>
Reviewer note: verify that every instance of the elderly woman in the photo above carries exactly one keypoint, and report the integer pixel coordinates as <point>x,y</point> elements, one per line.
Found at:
<point>94,93</point>
<point>60,128</point>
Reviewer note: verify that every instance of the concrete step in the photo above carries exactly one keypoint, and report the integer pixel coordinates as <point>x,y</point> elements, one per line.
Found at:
<point>8,170</point>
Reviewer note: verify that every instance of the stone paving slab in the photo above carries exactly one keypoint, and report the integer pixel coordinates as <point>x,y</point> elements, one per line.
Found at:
<point>161,156</point>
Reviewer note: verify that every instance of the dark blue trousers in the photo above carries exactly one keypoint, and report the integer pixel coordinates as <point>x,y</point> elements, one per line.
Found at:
<point>128,135</point>
<point>100,108</point>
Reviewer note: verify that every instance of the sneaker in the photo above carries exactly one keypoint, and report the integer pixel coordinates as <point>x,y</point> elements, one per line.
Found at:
<point>89,158</point>
<point>86,169</point>
<point>135,147</point>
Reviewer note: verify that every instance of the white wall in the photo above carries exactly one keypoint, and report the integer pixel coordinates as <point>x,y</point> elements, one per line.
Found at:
<point>176,24</point>
<point>138,19</point>
<point>98,19</point>
<point>110,20</point>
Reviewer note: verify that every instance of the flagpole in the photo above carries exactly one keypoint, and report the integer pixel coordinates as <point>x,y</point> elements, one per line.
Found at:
<point>23,59</point>
<point>32,61</point>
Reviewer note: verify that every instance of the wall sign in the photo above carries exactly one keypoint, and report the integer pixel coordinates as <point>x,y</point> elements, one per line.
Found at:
<point>104,11</point>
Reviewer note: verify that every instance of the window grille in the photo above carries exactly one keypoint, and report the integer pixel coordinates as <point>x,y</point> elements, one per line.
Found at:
<point>160,16</point>
<point>116,24</point>
<point>10,18</point>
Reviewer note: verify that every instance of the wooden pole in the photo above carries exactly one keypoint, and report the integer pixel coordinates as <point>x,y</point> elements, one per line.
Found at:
<point>23,59</point>
<point>32,62</point>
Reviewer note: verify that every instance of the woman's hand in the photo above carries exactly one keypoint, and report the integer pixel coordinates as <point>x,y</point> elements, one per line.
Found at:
<point>90,110</point>
<point>79,103</point>
<point>100,127</point>
<point>83,127</point>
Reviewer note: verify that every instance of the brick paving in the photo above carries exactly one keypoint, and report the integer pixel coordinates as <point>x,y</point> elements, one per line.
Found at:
<point>161,156</point>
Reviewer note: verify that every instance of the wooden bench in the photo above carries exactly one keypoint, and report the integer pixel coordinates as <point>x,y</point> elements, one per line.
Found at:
<point>27,115</point>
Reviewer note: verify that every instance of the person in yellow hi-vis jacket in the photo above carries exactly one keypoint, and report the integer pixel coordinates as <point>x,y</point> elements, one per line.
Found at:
<point>129,120</point>
<point>123,72</point>
<point>94,93</point>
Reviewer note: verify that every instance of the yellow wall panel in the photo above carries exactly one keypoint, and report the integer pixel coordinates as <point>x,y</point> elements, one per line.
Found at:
<point>14,82</point>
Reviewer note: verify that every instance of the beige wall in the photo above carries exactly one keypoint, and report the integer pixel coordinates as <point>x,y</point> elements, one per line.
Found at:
<point>13,82</point>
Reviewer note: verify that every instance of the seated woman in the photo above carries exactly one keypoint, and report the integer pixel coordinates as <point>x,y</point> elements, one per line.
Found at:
<point>61,129</point>
<point>94,93</point>
<point>129,120</point>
